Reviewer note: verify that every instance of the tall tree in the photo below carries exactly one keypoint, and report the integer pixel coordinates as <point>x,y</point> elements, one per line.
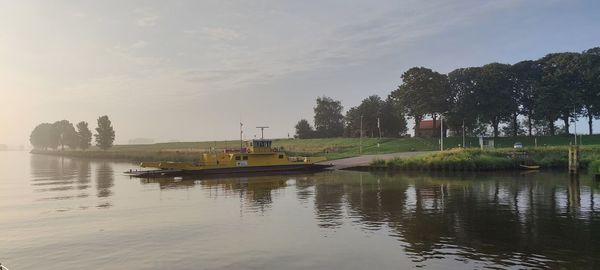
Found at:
<point>590,68</point>
<point>84,134</point>
<point>329,120</point>
<point>377,116</point>
<point>496,98</point>
<point>67,134</point>
<point>527,77</point>
<point>44,136</point>
<point>393,122</point>
<point>560,87</point>
<point>464,87</point>
<point>304,130</point>
<point>105,134</point>
<point>423,91</point>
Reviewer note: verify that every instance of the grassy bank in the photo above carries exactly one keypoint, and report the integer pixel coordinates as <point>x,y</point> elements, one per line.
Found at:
<point>332,148</point>
<point>500,159</point>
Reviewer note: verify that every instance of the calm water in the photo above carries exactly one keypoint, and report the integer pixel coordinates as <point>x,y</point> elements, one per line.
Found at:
<point>59,213</point>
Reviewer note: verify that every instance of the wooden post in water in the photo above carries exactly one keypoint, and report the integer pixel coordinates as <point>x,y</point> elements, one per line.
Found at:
<point>573,159</point>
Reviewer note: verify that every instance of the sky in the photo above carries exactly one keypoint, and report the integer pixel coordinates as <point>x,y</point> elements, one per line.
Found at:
<point>192,70</point>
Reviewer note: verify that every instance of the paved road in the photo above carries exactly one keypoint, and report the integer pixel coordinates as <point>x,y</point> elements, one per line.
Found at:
<point>364,160</point>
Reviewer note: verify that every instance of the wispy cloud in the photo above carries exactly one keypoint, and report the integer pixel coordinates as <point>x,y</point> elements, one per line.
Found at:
<point>220,33</point>
<point>146,17</point>
<point>140,44</point>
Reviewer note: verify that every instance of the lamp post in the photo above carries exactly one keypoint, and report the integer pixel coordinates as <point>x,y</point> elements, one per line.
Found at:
<point>463,131</point>
<point>441,133</point>
<point>361,135</point>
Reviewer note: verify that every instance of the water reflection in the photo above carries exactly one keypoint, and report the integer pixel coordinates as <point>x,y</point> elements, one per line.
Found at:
<point>59,178</point>
<point>543,220</point>
<point>257,193</point>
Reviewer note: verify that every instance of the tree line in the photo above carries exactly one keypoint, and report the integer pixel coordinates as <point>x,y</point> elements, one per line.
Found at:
<point>63,133</point>
<point>526,98</point>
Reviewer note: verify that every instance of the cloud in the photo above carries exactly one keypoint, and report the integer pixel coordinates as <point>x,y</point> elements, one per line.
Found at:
<point>140,44</point>
<point>220,33</point>
<point>148,17</point>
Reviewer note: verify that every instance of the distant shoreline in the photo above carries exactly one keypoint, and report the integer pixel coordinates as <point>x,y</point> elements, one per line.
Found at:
<point>335,148</point>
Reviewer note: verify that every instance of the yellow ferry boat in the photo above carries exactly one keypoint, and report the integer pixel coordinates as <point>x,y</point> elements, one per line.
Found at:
<point>257,156</point>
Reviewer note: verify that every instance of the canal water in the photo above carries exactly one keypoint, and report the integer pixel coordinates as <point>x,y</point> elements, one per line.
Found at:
<point>61,213</point>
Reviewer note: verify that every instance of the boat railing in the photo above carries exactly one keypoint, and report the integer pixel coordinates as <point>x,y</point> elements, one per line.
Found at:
<point>2,267</point>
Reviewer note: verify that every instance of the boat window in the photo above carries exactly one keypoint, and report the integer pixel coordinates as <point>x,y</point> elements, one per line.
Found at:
<point>280,156</point>
<point>237,157</point>
<point>245,157</point>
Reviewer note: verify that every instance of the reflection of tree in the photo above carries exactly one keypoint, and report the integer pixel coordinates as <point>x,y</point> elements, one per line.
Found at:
<point>304,188</point>
<point>329,201</point>
<point>53,175</point>
<point>83,174</point>
<point>503,219</point>
<point>104,179</point>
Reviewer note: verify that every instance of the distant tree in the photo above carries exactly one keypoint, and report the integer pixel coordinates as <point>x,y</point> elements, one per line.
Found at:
<point>66,134</point>
<point>590,96</point>
<point>304,130</point>
<point>84,135</point>
<point>105,134</point>
<point>393,122</point>
<point>509,129</point>
<point>370,109</point>
<point>377,115</point>
<point>527,80</point>
<point>44,136</point>
<point>423,91</point>
<point>496,99</point>
<point>329,120</point>
<point>560,88</point>
<point>464,107</point>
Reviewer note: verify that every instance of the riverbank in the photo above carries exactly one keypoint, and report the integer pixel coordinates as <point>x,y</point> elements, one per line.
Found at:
<point>489,160</point>
<point>332,148</point>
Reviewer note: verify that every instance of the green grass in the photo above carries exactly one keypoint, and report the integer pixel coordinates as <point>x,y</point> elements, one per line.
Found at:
<point>594,167</point>
<point>332,148</point>
<point>499,159</point>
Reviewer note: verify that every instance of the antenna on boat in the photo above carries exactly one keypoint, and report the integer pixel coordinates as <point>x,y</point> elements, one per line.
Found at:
<point>262,132</point>
<point>241,140</point>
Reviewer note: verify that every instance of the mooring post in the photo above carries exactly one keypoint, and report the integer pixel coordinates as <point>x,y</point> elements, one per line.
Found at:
<point>573,159</point>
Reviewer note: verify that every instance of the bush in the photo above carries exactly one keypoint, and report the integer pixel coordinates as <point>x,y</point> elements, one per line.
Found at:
<point>501,159</point>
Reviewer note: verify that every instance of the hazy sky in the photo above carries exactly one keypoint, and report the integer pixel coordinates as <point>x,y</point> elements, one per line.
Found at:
<point>191,70</point>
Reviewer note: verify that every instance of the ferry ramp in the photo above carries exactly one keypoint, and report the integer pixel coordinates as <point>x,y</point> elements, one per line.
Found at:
<point>366,160</point>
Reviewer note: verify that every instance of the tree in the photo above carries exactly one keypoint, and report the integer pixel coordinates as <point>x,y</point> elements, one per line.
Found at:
<point>105,134</point>
<point>496,99</point>
<point>304,130</point>
<point>393,122</point>
<point>66,134</point>
<point>590,95</point>
<point>84,135</point>
<point>527,77</point>
<point>377,115</point>
<point>560,88</point>
<point>423,91</point>
<point>44,136</point>
<point>329,120</point>
<point>370,109</point>
<point>464,87</point>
